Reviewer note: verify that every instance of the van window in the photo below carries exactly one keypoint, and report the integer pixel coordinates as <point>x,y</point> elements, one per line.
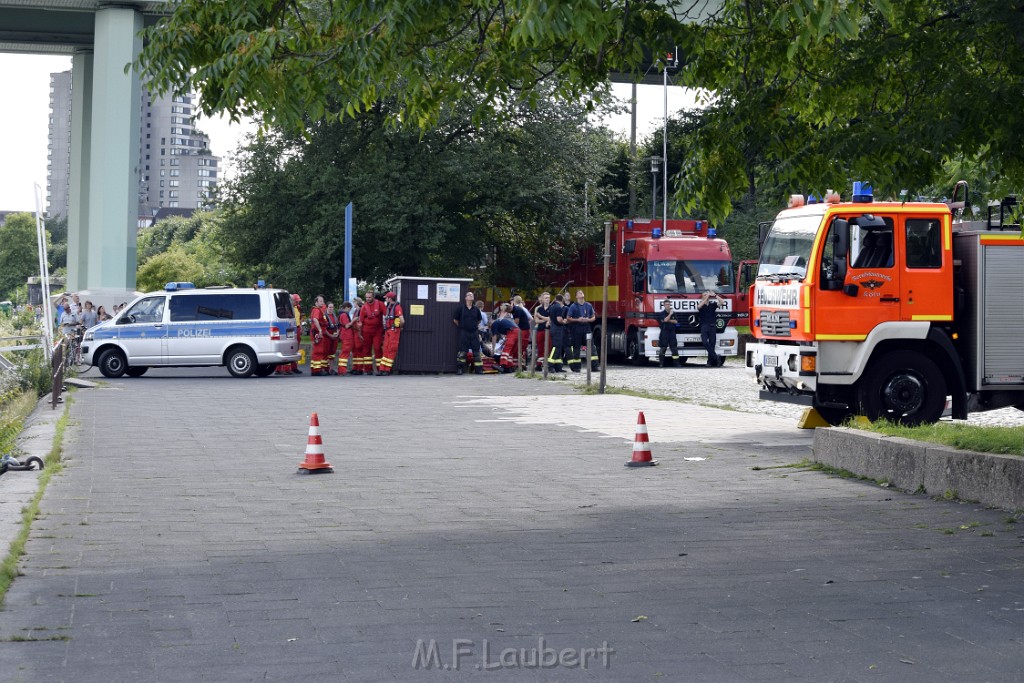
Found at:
<point>283,304</point>
<point>149,310</point>
<point>205,307</point>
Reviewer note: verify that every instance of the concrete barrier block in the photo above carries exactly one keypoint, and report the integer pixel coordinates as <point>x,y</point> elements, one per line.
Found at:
<point>995,480</point>
<point>988,478</point>
<point>884,458</point>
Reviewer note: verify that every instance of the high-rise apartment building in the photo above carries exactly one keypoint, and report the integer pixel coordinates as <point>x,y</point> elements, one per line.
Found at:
<point>58,153</point>
<point>176,167</point>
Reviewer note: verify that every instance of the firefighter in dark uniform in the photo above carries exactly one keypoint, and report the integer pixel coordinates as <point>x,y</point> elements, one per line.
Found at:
<point>667,340</point>
<point>580,317</point>
<point>468,319</point>
<point>540,317</point>
<point>559,335</point>
<point>707,311</point>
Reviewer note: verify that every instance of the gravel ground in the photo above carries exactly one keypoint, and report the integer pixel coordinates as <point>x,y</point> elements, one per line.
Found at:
<point>732,386</point>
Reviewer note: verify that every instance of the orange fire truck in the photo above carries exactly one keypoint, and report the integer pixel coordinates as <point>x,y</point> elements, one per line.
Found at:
<point>651,262</point>
<point>889,309</point>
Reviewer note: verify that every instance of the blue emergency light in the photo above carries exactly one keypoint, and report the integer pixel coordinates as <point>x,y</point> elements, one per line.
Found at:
<point>629,224</point>
<point>811,199</point>
<point>862,193</point>
<point>656,233</point>
<point>712,233</point>
<point>175,286</point>
<point>261,284</point>
<point>700,226</point>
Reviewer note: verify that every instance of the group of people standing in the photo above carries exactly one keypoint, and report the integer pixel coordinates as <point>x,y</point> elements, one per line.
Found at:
<point>72,315</point>
<point>568,326</point>
<point>367,333</point>
<point>565,326</point>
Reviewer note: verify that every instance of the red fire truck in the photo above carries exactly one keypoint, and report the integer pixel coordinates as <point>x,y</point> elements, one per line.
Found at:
<point>650,262</point>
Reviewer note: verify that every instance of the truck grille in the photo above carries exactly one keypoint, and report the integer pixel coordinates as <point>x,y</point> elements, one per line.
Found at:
<point>775,323</point>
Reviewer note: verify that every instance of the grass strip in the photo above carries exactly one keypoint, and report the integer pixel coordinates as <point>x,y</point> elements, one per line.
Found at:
<point>1001,440</point>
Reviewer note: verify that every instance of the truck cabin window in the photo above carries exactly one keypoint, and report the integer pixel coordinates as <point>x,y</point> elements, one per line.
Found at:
<point>690,277</point>
<point>924,243</point>
<point>871,245</point>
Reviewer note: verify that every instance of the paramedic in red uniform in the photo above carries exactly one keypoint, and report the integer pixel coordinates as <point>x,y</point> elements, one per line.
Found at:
<point>346,337</point>
<point>318,362</point>
<point>394,321</point>
<point>371,315</point>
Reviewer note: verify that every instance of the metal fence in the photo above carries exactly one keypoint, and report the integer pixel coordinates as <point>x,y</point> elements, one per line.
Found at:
<point>59,360</point>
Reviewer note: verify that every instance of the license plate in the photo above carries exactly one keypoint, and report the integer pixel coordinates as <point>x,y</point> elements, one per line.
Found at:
<point>771,361</point>
<point>691,338</point>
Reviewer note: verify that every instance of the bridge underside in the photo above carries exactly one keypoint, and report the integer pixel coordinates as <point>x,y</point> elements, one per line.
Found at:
<point>102,38</point>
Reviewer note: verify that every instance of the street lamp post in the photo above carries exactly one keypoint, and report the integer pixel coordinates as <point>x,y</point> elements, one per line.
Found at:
<point>655,167</point>
<point>604,309</point>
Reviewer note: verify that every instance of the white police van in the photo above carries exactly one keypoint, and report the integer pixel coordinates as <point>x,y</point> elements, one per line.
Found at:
<point>248,330</point>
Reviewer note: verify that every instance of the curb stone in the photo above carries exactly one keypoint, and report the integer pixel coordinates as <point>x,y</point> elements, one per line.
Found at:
<point>987,478</point>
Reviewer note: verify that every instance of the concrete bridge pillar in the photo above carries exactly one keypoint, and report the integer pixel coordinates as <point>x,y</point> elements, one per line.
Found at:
<point>106,214</point>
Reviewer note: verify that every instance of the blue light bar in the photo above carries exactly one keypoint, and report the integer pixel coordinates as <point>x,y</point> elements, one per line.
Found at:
<point>862,193</point>
<point>175,286</point>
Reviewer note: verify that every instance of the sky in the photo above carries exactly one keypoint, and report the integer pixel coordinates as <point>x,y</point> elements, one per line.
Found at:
<point>24,116</point>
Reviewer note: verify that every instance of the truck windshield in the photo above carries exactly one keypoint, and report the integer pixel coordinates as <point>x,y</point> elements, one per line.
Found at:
<point>689,277</point>
<point>787,249</point>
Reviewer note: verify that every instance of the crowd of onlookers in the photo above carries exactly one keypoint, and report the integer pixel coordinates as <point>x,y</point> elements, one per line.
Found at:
<point>72,315</point>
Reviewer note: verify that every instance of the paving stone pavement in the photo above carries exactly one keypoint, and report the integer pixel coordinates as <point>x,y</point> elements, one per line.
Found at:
<point>488,523</point>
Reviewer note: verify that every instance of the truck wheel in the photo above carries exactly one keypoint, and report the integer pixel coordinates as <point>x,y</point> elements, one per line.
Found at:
<point>136,371</point>
<point>634,352</point>
<point>241,362</point>
<point>904,387</point>
<point>112,363</point>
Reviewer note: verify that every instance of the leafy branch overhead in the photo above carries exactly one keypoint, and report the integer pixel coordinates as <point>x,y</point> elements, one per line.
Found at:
<point>829,91</point>
<point>800,94</point>
<point>280,58</point>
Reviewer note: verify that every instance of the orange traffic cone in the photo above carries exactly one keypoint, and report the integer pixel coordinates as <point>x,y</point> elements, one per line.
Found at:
<point>641,445</point>
<point>315,463</point>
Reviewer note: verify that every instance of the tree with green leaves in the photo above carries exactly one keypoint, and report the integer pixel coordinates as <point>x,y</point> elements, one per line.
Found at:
<point>291,61</point>
<point>825,92</point>
<point>496,199</point>
<point>188,249</point>
<point>19,258</point>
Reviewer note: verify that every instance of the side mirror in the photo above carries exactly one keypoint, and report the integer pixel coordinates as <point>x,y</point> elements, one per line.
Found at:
<point>748,270</point>
<point>841,237</point>
<point>762,234</point>
<point>834,269</point>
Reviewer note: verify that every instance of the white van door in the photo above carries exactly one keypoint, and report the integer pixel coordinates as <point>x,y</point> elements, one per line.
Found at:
<point>141,331</point>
